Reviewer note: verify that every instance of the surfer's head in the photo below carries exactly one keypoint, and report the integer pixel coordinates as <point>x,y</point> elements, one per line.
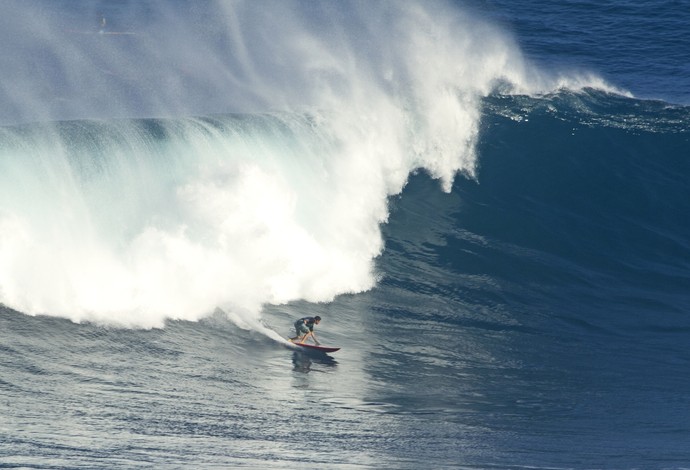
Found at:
<point>317,319</point>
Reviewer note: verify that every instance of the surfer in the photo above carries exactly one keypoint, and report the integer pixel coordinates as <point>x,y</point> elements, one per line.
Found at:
<point>305,328</point>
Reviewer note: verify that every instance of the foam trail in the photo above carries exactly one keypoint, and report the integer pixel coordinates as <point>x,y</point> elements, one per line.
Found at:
<point>133,222</point>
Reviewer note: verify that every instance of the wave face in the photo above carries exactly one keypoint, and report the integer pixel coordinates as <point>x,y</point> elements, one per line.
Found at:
<point>588,191</point>
<point>576,215</point>
<point>500,247</point>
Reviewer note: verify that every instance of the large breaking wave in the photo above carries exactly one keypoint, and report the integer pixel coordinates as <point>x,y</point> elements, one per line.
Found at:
<point>106,216</point>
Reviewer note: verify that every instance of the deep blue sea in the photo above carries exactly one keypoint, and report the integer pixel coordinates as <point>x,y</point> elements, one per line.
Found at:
<point>486,202</point>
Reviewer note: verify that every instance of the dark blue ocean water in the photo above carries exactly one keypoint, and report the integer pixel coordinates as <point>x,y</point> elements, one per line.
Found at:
<point>639,46</point>
<point>486,202</point>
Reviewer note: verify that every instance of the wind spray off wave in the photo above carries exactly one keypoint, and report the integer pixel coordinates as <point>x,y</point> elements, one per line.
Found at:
<point>134,221</point>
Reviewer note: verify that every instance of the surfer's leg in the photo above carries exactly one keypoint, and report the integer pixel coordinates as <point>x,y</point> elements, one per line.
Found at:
<point>302,332</point>
<point>298,330</point>
<point>306,335</point>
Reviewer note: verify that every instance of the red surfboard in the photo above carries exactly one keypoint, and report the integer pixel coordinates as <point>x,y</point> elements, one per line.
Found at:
<point>314,347</point>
